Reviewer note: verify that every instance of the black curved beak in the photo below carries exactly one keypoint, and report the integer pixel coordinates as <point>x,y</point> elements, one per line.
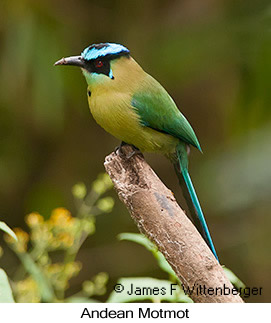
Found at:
<point>72,60</point>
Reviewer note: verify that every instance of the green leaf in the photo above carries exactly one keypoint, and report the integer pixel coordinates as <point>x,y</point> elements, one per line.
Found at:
<point>7,229</point>
<point>142,240</point>
<point>233,278</point>
<point>164,265</point>
<point>5,289</point>
<point>146,288</point>
<point>138,238</point>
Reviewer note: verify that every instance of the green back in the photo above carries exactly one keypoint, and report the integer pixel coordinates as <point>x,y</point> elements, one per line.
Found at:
<point>158,111</point>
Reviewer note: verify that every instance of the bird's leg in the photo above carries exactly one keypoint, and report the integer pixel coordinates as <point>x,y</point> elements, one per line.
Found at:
<point>119,151</point>
<point>135,152</point>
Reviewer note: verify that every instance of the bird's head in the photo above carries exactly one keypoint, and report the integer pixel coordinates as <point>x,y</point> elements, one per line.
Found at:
<point>101,63</point>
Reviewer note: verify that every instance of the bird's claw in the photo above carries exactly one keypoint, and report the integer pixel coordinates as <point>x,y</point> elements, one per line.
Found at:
<point>133,153</point>
<point>118,150</point>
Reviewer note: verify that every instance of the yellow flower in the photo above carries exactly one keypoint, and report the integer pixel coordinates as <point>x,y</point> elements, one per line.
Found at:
<point>61,217</point>
<point>42,235</point>
<point>55,268</point>
<point>65,238</point>
<point>33,219</point>
<point>23,238</point>
<point>72,268</point>
<point>27,291</point>
<point>60,274</point>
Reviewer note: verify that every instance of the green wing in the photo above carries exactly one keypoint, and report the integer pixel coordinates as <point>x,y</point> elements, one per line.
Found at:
<point>158,111</point>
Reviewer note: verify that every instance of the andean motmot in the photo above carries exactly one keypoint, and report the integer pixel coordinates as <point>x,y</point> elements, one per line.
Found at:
<point>135,108</point>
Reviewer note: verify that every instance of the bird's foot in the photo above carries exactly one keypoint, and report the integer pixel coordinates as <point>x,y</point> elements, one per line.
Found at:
<point>133,153</point>
<point>118,150</point>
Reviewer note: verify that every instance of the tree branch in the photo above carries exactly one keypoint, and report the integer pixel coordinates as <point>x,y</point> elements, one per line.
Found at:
<point>159,217</point>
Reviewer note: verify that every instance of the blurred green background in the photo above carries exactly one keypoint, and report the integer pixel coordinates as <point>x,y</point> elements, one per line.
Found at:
<point>214,58</point>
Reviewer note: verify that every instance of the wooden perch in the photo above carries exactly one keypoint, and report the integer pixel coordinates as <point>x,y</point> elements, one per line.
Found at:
<point>159,217</point>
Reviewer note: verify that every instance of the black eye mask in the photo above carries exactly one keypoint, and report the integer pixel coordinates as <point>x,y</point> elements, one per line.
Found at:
<point>99,66</point>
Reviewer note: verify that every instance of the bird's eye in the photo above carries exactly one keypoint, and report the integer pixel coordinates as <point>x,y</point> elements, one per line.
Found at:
<point>99,64</point>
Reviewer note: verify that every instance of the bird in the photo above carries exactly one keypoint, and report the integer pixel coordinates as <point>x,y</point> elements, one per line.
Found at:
<point>135,108</point>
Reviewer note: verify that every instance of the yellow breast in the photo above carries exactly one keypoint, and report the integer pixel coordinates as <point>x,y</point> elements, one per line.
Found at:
<point>110,105</point>
<point>111,112</point>
<point>115,114</point>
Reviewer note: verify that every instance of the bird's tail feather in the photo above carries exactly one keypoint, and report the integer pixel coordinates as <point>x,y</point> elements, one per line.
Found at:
<point>181,168</point>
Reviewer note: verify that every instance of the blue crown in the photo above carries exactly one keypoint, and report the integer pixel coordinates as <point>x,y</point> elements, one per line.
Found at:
<point>104,49</point>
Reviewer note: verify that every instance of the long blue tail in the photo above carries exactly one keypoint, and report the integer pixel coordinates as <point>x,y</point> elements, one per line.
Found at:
<point>199,212</point>
<point>191,197</point>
